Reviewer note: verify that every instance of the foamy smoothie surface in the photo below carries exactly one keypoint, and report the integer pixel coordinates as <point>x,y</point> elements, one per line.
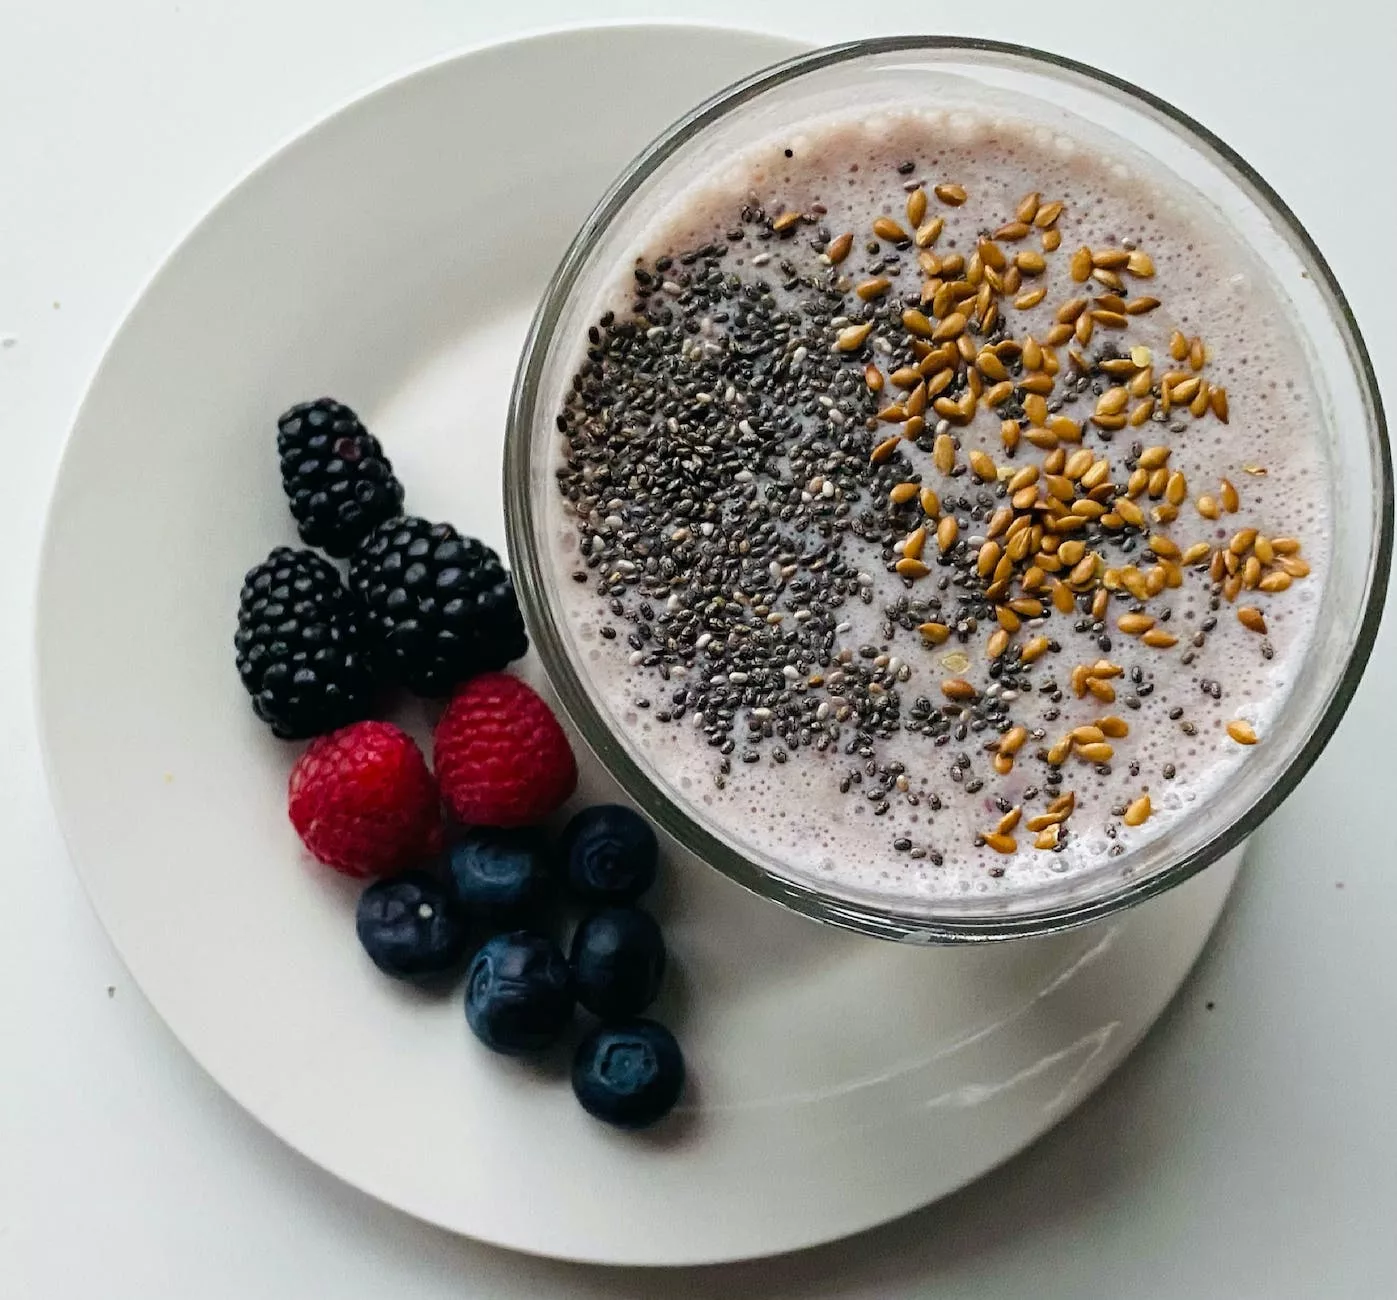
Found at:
<point>943,507</point>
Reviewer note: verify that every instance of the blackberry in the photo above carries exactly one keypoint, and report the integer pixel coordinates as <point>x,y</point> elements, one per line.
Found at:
<point>441,607</point>
<point>339,482</point>
<point>299,645</point>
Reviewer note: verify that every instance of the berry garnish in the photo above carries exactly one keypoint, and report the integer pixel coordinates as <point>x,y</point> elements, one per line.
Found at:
<point>610,853</point>
<point>630,1074</point>
<point>502,875</point>
<point>411,928</point>
<point>618,960</point>
<point>519,995</point>
<point>300,645</point>
<point>334,472</point>
<point>363,801</point>
<point>441,606</point>
<point>500,756</point>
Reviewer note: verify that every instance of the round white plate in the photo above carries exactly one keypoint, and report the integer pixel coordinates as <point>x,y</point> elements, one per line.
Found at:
<point>391,256</point>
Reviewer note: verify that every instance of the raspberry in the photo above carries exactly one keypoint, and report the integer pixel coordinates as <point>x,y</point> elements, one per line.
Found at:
<point>501,757</point>
<point>363,801</point>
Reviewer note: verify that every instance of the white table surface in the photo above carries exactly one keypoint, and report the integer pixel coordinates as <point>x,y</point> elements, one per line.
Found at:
<point>1249,1148</point>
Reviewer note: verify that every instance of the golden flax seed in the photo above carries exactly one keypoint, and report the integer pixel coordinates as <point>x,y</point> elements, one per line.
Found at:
<point>852,337</point>
<point>1242,732</point>
<point>987,558</point>
<point>916,322</point>
<point>1138,813</point>
<point>1100,690</point>
<point>982,466</point>
<point>884,450</point>
<point>929,232</point>
<point>949,327</point>
<point>1033,649</point>
<point>991,255</point>
<point>874,288</point>
<point>1242,541</point>
<point>1140,264</point>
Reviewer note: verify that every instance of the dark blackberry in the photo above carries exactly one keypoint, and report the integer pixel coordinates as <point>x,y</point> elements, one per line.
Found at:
<point>339,482</point>
<point>300,645</point>
<point>441,607</point>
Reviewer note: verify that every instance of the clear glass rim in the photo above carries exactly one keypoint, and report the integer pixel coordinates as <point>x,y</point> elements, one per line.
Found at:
<point>532,580</point>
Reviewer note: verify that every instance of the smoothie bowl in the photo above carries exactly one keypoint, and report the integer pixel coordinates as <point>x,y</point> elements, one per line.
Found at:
<point>948,490</point>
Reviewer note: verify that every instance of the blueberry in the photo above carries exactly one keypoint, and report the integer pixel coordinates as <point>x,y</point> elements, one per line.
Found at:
<point>629,1075</point>
<point>502,875</point>
<point>519,993</point>
<point>610,853</point>
<point>410,927</point>
<point>618,959</point>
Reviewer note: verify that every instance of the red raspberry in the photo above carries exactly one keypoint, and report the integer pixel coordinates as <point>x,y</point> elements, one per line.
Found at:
<point>363,801</point>
<point>500,755</point>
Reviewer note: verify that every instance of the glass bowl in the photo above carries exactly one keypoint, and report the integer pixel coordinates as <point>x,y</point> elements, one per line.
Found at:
<point>890,71</point>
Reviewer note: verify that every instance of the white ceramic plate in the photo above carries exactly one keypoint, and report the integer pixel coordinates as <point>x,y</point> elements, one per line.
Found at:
<point>391,256</point>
